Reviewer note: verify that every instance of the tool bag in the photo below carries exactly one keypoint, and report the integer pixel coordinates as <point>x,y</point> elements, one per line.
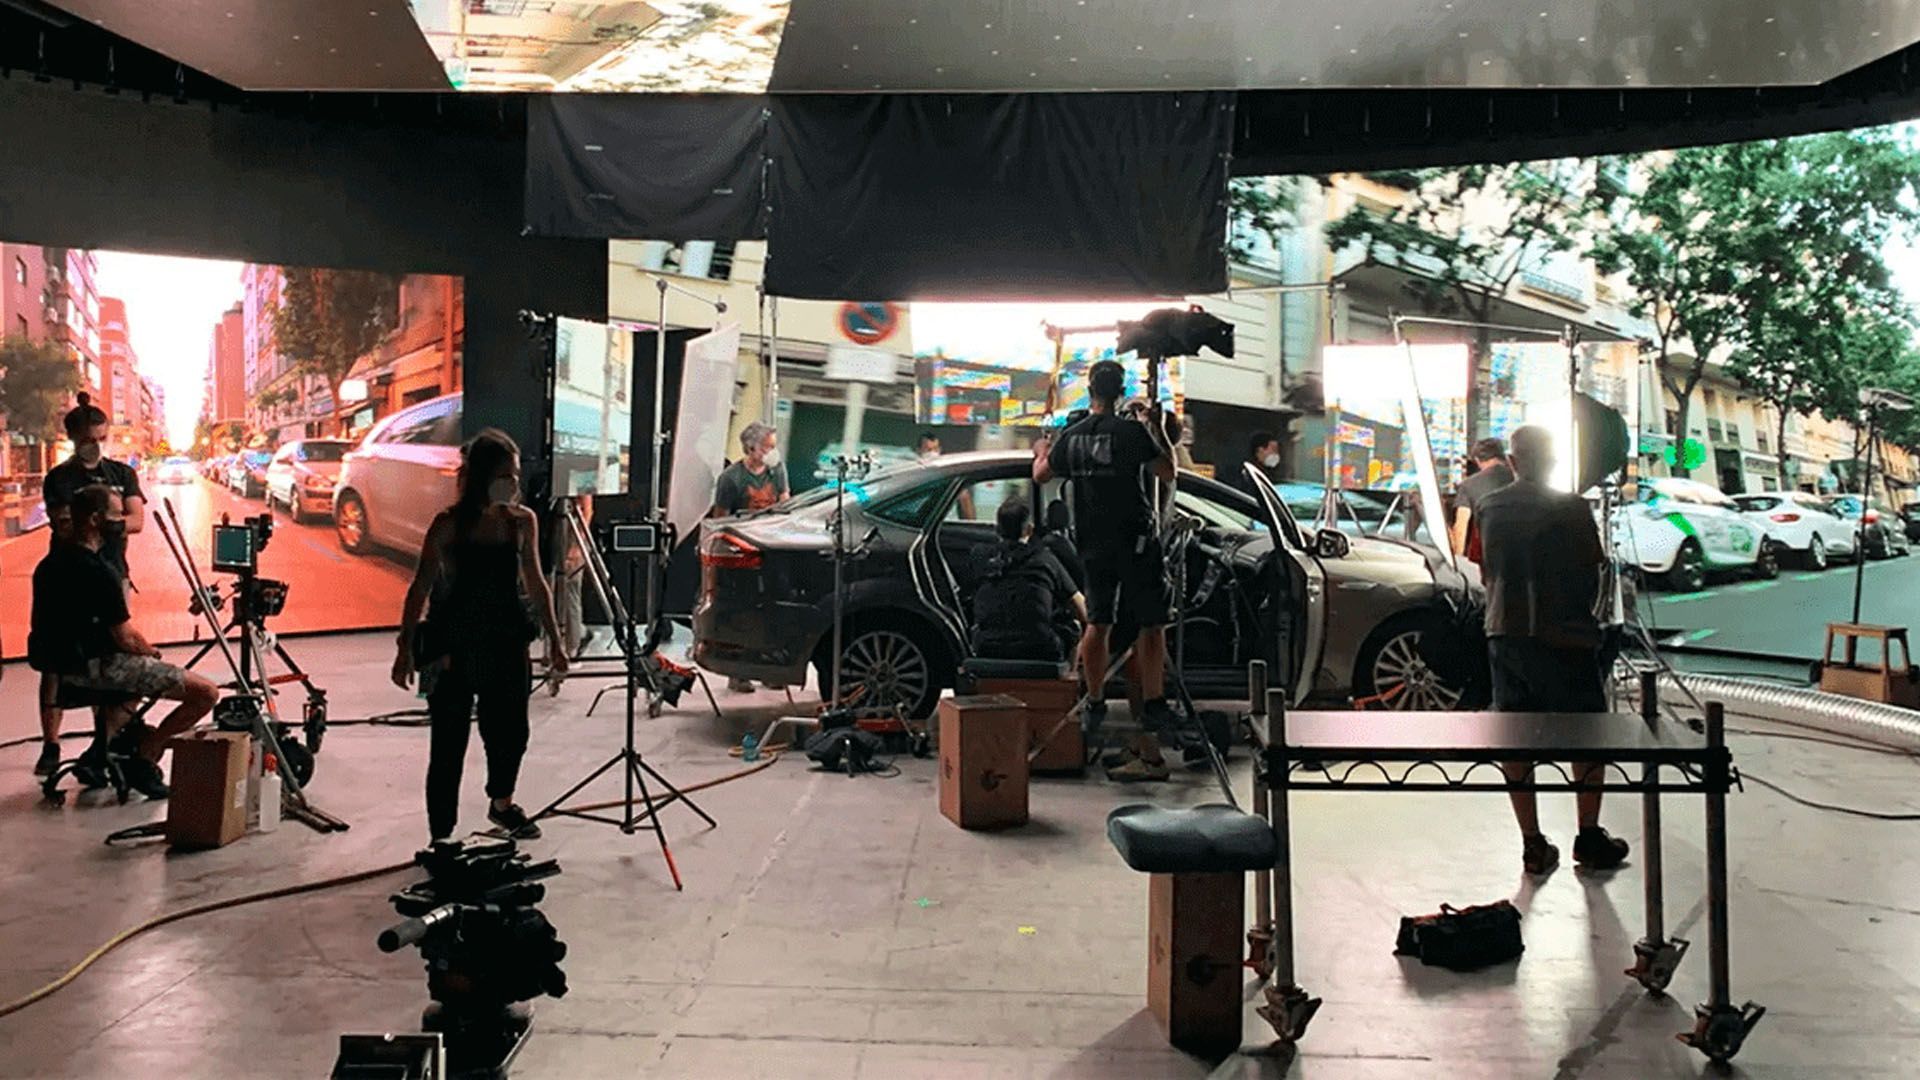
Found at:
<point>1463,939</point>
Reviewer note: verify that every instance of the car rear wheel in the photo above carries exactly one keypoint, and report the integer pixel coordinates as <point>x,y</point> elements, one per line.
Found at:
<point>884,664</point>
<point>1816,556</point>
<point>1393,673</point>
<point>350,525</point>
<point>1766,565</point>
<point>1689,572</point>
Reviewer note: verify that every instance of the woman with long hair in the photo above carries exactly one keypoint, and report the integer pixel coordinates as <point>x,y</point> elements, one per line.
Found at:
<point>481,564</point>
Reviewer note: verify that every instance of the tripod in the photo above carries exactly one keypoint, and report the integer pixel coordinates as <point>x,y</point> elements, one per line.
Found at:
<point>642,813</point>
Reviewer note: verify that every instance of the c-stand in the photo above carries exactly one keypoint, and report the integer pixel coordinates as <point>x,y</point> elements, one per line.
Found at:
<point>253,704</point>
<point>632,763</point>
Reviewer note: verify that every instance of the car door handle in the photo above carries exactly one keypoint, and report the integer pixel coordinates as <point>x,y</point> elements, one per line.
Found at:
<point>1357,586</point>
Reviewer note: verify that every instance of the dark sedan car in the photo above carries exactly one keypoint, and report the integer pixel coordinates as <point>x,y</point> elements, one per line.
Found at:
<point>1338,617</point>
<point>1882,535</point>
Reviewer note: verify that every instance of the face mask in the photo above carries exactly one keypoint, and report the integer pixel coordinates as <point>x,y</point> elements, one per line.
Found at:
<point>1271,461</point>
<point>503,490</point>
<point>772,458</point>
<point>113,528</point>
<point>88,453</point>
<point>929,455</point>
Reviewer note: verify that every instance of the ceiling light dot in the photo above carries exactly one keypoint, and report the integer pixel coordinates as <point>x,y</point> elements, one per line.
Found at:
<point>844,67</point>
<point>1336,26</point>
<point>913,22</point>
<point>1353,52</point>
<point>296,37</point>
<point>996,52</point>
<point>1876,33</point>
<point>1486,63</point>
<point>332,50</point>
<point>1463,33</point>
<point>1189,14</point>
<point>856,48</point>
<point>1056,37</point>
<point>229,15</point>
<point>1543,14</point>
<point>1781,53</point>
<point>1073,59</point>
<point>1249,59</point>
<point>373,15</point>
<point>1769,18</point>
<point>1139,48</point>
<point>1303,78</point>
<point>1679,48</point>
<point>1033,74</point>
<point>939,70</point>
<point>1583,39</point>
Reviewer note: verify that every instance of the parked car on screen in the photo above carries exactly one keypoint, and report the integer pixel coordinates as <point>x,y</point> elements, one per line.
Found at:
<point>1910,517</point>
<point>1882,536</point>
<point>247,473</point>
<point>175,470</point>
<point>1803,525</point>
<point>1334,616</point>
<point>302,474</point>
<point>400,476</point>
<point>1683,530</point>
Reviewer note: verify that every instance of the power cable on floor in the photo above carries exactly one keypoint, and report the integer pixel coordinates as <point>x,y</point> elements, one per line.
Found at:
<point>356,877</point>
<point>1851,811</point>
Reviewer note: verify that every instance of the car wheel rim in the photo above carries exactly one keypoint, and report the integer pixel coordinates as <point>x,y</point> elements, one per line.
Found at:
<point>1403,681</point>
<point>353,524</point>
<point>1691,575</point>
<point>1818,555</point>
<point>888,666</point>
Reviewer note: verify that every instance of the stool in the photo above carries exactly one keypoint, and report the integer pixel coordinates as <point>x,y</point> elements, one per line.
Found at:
<point>983,761</point>
<point>1049,692</point>
<point>1196,913</point>
<point>1882,682</point>
<point>68,696</point>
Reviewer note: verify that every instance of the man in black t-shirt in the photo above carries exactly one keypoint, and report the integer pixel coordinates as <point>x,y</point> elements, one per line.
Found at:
<point>87,426</point>
<point>1491,473</point>
<point>1025,605</point>
<point>757,480</point>
<point>83,637</point>
<point>1110,463</point>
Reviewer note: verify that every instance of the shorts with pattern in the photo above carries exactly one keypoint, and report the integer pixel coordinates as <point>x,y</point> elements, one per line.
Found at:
<point>141,676</point>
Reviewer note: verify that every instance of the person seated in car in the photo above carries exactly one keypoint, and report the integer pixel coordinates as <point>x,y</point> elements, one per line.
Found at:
<point>82,633</point>
<point>1026,606</point>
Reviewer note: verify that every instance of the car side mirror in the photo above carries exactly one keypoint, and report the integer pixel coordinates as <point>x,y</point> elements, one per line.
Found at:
<point>1331,544</point>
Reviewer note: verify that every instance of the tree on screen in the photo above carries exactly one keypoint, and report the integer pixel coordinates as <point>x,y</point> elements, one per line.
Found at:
<point>329,319</point>
<point>37,387</point>
<point>1463,237</point>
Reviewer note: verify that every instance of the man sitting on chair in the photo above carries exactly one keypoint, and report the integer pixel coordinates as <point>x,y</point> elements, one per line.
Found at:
<point>81,632</point>
<point>1026,606</point>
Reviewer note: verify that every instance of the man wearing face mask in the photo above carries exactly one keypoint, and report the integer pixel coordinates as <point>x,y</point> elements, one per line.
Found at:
<point>1263,452</point>
<point>757,480</point>
<point>86,425</point>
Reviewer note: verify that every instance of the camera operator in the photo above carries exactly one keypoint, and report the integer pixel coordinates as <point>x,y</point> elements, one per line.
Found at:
<point>87,426</point>
<point>1110,462</point>
<point>82,636</point>
<point>1027,605</point>
<point>488,546</point>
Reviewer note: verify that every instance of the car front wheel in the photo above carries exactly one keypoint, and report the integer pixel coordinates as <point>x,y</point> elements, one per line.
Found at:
<point>350,524</point>
<point>1689,572</point>
<point>1766,565</point>
<point>1393,673</point>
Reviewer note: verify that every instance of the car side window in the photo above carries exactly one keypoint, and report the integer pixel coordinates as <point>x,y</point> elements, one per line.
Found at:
<point>980,500</point>
<point>283,454</point>
<point>911,509</point>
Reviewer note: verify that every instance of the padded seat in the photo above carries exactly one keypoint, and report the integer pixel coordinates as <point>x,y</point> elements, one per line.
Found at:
<point>982,668</point>
<point>69,696</point>
<point>1210,839</point>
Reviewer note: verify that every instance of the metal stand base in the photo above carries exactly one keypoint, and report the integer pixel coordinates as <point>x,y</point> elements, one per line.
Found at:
<point>479,1048</point>
<point>1288,1010</point>
<point>1719,1030</point>
<point>1654,962</point>
<point>637,774</point>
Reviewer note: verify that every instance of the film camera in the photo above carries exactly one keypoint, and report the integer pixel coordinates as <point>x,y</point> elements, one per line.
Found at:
<point>488,949</point>
<point>1176,332</point>
<point>236,550</point>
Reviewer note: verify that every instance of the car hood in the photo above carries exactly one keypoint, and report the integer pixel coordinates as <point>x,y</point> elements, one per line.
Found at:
<point>328,469</point>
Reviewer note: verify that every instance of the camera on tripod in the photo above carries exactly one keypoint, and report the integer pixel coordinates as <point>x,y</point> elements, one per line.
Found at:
<point>487,948</point>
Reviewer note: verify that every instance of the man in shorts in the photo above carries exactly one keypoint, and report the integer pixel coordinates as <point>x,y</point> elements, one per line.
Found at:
<point>1111,462</point>
<point>82,634</point>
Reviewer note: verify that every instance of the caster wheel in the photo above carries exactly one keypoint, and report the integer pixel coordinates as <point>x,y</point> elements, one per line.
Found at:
<point>55,796</point>
<point>1258,961</point>
<point>1288,1010</point>
<point>1719,1032</point>
<point>1655,963</point>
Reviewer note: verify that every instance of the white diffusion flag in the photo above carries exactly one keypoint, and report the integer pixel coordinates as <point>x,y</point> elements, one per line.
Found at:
<point>707,375</point>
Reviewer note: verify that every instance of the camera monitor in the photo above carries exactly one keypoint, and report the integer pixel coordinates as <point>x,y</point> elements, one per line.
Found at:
<point>234,550</point>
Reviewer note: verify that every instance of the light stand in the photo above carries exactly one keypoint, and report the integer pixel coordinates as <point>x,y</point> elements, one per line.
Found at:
<point>632,764</point>
<point>1873,399</point>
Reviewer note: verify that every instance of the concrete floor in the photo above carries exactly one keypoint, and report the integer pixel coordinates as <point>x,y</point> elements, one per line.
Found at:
<point>842,928</point>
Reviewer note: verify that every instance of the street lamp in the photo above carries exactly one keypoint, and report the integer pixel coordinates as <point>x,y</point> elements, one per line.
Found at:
<point>1873,400</point>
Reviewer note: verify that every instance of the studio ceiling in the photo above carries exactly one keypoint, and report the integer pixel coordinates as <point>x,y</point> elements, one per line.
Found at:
<point>751,46</point>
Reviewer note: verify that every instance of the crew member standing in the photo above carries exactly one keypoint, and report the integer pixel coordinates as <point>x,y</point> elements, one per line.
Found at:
<point>86,425</point>
<point>1492,474</point>
<point>1110,463</point>
<point>1263,453</point>
<point>758,480</point>
<point>1543,565</point>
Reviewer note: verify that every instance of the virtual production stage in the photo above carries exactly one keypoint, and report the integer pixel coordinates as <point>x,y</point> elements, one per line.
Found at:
<point>812,539</point>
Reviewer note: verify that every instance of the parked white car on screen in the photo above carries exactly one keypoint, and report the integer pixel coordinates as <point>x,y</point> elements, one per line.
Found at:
<point>1683,530</point>
<point>1804,526</point>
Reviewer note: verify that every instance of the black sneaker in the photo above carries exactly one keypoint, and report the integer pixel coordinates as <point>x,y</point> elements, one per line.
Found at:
<point>1538,857</point>
<point>48,760</point>
<point>1594,849</point>
<point>145,777</point>
<point>91,770</point>
<point>514,822</point>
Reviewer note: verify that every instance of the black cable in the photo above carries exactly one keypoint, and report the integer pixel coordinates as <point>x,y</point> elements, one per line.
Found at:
<point>1851,811</point>
<point>1871,748</point>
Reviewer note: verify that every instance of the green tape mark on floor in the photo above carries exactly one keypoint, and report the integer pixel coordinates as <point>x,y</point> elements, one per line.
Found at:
<point>1701,635</point>
<point>1756,586</point>
<point>1808,577</point>
<point>1683,598</point>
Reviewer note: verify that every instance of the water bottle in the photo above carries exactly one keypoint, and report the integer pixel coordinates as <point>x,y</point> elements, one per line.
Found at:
<point>749,747</point>
<point>269,795</point>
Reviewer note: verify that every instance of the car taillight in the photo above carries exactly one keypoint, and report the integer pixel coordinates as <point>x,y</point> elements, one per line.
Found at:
<point>1870,516</point>
<point>725,551</point>
<point>1783,517</point>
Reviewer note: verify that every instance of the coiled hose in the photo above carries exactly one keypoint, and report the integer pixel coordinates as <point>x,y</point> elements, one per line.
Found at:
<point>1865,721</point>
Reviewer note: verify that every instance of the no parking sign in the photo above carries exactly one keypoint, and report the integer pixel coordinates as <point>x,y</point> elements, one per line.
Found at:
<point>870,322</point>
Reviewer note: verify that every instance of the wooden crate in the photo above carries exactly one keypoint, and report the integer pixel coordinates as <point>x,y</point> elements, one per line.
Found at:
<point>1046,702</point>
<point>1194,923</point>
<point>983,761</point>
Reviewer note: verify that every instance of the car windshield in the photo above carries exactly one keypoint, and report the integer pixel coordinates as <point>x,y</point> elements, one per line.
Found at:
<point>258,457</point>
<point>1756,502</point>
<point>321,451</point>
<point>179,461</point>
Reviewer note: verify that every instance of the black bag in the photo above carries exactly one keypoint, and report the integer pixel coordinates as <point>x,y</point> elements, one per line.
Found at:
<point>1463,939</point>
<point>845,749</point>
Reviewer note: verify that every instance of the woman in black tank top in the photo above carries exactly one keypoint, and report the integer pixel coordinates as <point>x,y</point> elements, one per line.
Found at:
<point>481,552</point>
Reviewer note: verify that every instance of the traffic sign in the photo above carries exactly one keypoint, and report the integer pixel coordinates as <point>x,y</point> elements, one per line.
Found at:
<point>870,322</point>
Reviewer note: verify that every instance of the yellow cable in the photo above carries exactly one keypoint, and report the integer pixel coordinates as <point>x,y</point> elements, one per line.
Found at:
<point>157,921</point>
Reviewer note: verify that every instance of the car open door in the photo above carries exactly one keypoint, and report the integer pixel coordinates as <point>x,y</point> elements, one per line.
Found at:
<point>1308,585</point>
